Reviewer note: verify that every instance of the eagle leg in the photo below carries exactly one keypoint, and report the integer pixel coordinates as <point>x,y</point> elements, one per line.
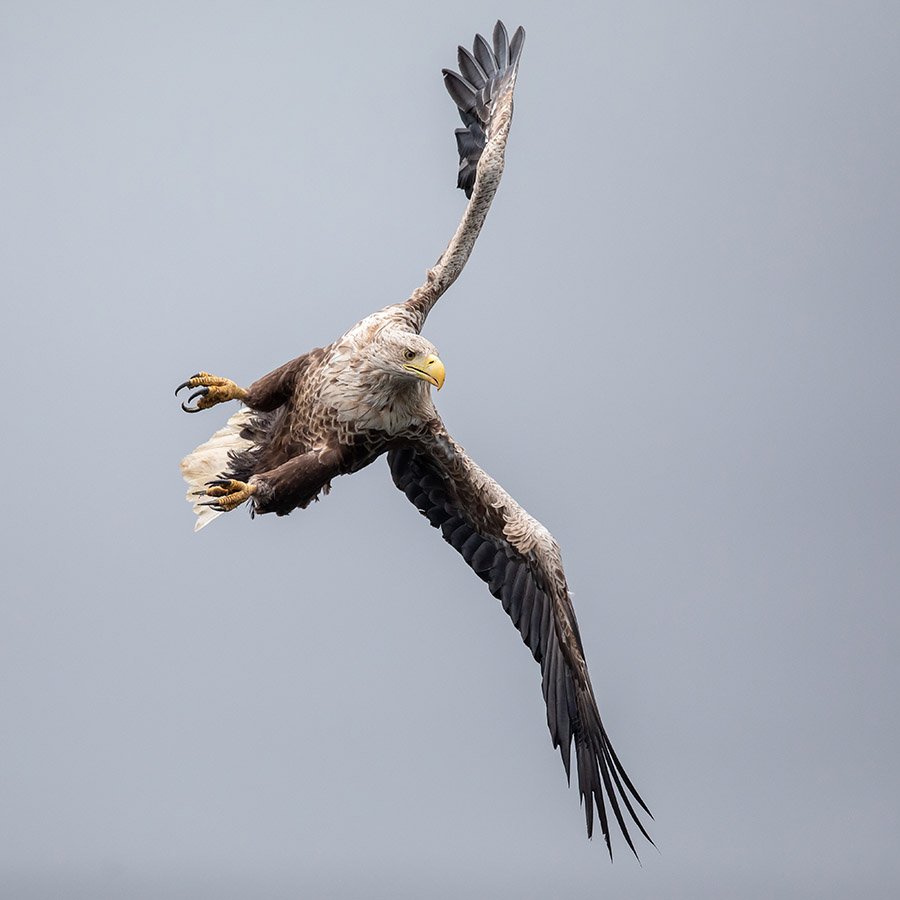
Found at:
<point>299,481</point>
<point>212,390</point>
<point>228,494</point>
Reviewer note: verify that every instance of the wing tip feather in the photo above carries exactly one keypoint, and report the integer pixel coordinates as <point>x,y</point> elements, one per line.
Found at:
<point>484,74</point>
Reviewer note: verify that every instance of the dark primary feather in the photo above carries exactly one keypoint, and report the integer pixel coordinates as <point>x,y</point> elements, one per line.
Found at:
<point>501,45</point>
<point>485,56</point>
<point>470,70</point>
<point>483,75</point>
<point>515,46</point>
<point>516,582</point>
<point>463,94</point>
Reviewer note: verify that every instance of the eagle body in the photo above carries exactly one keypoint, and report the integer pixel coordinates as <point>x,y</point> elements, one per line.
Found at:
<point>339,408</point>
<point>336,409</point>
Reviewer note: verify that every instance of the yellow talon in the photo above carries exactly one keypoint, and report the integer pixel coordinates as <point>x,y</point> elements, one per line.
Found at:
<point>228,494</point>
<point>212,391</point>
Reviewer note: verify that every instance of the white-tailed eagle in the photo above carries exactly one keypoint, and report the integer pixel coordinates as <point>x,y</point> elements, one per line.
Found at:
<point>336,409</point>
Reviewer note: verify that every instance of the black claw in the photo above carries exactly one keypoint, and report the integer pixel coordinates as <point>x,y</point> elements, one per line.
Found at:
<point>186,383</point>
<point>192,409</point>
<point>212,505</point>
<point>219,482</point>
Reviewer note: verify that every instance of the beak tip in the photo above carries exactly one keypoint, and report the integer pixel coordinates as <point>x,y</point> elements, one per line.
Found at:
<point>431,370</point>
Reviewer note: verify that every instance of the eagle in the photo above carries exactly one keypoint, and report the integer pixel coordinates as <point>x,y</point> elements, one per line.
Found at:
<point>336,409</point>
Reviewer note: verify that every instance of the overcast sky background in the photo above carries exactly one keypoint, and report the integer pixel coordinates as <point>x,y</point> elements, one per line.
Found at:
<point>676,344</point>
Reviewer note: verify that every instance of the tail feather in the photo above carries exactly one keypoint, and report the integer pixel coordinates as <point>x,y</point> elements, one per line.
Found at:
<point>211,460</point>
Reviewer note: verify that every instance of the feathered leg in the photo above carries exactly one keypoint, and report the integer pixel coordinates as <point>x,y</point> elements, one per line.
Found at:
<point>293,484</point>
<point>296,483</point>
<point>265,394</point>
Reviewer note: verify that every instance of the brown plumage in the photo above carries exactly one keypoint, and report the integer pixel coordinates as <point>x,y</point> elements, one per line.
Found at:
<point>334,410</point>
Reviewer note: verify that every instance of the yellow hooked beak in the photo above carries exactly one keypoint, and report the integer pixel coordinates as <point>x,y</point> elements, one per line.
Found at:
<point>428,368</point>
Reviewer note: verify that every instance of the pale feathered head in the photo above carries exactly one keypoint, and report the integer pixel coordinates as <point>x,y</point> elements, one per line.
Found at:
<point>405,356</point>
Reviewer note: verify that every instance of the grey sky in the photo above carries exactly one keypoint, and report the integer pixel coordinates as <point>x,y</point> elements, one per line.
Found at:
<point>675,344</point>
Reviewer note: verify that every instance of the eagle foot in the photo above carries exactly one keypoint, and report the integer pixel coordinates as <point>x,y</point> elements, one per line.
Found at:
<point>213,390</point>
<point>228,494</point>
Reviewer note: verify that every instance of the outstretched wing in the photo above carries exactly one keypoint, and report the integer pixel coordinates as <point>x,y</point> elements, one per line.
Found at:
<point>520,561</point>
<point>483,92</point>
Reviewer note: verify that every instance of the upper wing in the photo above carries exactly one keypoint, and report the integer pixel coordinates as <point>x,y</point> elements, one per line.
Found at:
<point>521,563</point>
<point>483,91</point>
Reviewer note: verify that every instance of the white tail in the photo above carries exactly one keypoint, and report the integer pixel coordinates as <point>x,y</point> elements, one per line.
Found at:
<point>210,460</point>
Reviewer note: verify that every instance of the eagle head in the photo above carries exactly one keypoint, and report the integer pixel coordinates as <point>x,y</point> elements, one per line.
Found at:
<point>406,356</point>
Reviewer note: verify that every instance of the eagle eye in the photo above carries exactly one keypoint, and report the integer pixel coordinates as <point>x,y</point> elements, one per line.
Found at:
<point>409,354</point>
